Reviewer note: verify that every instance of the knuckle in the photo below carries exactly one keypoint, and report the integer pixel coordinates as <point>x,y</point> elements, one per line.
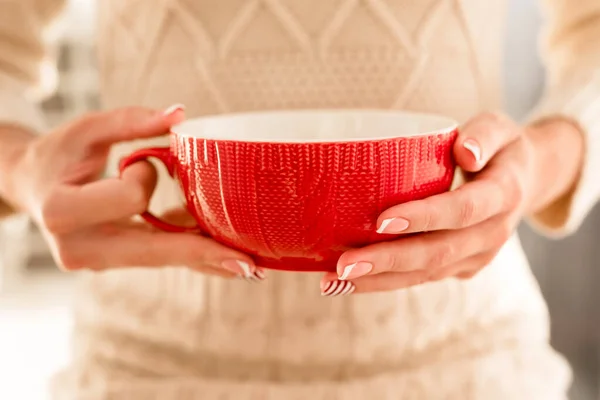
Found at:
<point>119,119</point>
<point>442,256</point>
<point>428,222</point>
<point>87,123</point>
<point>390,260</point>
<point>51,218</point>
<point>437,274</point>
<point>488,257</point>
<point>138,199</point>
<point>503,232</point>
<point>514,192</point>
<point>467,212</point>
<point>431,219</point>
<point>206,251</point>
<point>67,258</point>
<point>88,120</point>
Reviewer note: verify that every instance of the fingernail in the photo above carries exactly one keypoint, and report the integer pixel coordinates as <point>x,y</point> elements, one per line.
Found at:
<point>337,288</point>
<point>393,225</point>
<point>244,270</point>
<point>356,270</point>
<point>257,276</point>
<point>173,109</point>
<point>473,148</point>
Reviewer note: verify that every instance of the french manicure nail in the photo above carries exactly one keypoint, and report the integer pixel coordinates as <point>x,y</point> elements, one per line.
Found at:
<point>337,288</point>
<point>355,270</point>
<point>174,108</point>
<point>393,225</point>
<point>473,148</point>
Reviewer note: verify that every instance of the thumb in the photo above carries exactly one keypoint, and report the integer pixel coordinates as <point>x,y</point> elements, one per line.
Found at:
<point>72,207</point>
<point>481,138</point>
<point>126,124</point>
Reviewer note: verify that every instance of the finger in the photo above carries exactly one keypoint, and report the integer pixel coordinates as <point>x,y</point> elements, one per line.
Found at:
<point>428,251</point>
<point>180,217</point>
<point>467,274</point>
<point>481,138</point>
<point>126,124</point>
<point>331,286</point>
<point>466,206</point>
<point>465,269</point>
<point>74,207</point>
<point>138,245</point>
<point>193,251</point>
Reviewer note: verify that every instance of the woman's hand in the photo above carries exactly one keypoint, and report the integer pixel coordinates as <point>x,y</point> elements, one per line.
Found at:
<point>87,220</point>
<point>510,171</point>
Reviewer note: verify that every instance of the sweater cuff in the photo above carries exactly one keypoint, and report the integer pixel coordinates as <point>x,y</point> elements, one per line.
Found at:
<point>17,109</point>
<point>582,106</point>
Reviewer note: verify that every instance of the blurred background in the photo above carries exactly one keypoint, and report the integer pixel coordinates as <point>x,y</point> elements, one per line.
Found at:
<point>34,297</point>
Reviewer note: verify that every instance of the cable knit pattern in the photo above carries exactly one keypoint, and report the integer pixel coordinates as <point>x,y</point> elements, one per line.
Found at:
<point>173,334</point>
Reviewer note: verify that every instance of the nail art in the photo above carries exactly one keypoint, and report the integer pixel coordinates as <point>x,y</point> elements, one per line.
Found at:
<point>172,109</point>
<point>257,276</point>
<point>356,270</point>
<point>393,225</point>
<point>338,288</point>
<point>473,147</point>
<point>243,270</point>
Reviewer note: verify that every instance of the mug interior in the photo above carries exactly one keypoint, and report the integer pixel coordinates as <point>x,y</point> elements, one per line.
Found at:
<point>316,126</point>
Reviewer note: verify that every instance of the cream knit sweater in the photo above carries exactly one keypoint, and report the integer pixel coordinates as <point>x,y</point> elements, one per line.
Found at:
<point>174,334</point>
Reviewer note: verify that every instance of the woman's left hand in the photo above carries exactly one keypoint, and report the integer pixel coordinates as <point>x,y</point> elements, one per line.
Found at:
<point>459,232</point>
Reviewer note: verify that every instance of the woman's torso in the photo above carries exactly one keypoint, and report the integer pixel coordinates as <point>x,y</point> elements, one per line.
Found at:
<point>238,55</point>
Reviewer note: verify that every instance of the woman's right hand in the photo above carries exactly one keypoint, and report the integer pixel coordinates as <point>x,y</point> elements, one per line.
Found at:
<point>87,220</point>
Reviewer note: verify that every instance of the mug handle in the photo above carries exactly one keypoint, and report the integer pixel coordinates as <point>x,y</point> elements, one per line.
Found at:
<point>163,154</point>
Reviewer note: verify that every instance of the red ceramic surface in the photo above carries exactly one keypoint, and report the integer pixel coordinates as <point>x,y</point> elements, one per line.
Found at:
<point>296,189</point>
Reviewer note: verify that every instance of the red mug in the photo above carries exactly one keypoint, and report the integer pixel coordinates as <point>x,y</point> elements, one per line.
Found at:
<point>295,189</point>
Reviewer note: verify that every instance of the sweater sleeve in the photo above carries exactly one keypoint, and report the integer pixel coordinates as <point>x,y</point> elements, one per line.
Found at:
<point>27,68</point>
<point>571,51</point>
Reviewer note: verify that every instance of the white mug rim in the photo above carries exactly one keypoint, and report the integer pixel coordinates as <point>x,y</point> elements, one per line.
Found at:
<point>315,126</point>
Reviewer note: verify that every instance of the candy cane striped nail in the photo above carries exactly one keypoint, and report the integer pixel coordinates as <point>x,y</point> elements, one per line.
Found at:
<point>256,276</point>
<point>244,270</point>
<point>338,288</point>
